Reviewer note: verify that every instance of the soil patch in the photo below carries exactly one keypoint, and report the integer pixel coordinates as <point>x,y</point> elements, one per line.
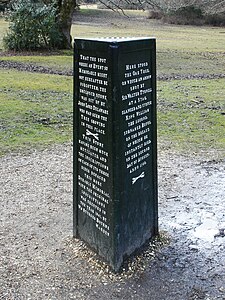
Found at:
<point>28,67</point>
<point>40,259</point>
<point>40,69</point>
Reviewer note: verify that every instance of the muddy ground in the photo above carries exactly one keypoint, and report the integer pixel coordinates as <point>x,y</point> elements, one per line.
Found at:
<point>40,259</point>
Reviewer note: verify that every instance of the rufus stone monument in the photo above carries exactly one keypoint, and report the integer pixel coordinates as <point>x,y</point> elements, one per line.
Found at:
<point>115,154</point>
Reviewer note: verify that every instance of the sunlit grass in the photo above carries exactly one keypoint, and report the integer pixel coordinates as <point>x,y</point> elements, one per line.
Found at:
<point>169,37</point>
<point>34,81</point>
<point>35,110</point>
<point>191,114</point>
<point>55,62</point>
<point>175,62</point>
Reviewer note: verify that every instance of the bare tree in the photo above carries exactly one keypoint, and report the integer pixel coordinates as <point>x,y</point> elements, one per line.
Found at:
<point>208,6</point>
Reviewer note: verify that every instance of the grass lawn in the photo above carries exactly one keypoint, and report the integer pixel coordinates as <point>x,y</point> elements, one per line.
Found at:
<point>191,115</point>
<point>56,62</point>
<point>36,109</point>
<point>169,37</point>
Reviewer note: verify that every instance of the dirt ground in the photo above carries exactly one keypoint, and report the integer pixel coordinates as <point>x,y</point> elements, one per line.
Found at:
<point>40,259</point>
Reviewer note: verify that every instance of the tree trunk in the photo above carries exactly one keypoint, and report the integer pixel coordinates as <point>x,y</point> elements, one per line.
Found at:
<point>64,18</point>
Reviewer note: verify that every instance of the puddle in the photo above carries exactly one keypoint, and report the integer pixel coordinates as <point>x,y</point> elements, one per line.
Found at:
<point>207,231</point>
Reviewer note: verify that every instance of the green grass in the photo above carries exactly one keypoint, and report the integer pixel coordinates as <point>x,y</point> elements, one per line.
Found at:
<point>175,62</point>
<point>191,114</point>
<point>168,62</point>
<point>55,62</point>
<point>34,81</point>
<point>169,37</point>
<point>35,110</point>
<point>180,49</point>
<point>99,13</point>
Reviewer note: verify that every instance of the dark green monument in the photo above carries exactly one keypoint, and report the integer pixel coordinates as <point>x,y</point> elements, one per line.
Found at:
<point>115,154</point>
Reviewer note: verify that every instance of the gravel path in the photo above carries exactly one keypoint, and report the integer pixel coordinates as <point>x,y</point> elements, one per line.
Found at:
<point>40,260</point>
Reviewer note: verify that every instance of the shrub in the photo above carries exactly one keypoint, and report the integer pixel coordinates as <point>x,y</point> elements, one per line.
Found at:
<point>32,26</point>
<point>154,14</point>
<point>3,5</point>
<point>186,15</point>
<point>215,19</point>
